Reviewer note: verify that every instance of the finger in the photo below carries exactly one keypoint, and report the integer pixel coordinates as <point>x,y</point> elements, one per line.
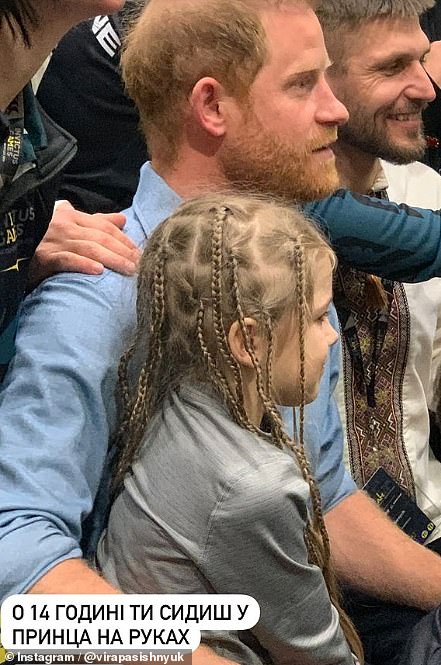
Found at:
<point>104,225</point>
<point>63,204</point>
<point>113,223</point>
<point>69,262</point>
<point>94,240</point>
<point>115,218</point>
<point>114,261</point>
<point>87,242</point>
<point>113,255</point>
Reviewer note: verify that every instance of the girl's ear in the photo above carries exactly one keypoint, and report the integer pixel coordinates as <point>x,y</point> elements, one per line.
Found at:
<point>237,342</point>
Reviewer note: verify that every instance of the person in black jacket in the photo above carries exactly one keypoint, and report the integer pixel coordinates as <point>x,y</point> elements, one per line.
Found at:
<point>34,150</point>
<point>83,92</point>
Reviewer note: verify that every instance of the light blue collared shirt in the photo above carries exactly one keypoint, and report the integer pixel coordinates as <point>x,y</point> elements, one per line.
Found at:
<point>57,407</point>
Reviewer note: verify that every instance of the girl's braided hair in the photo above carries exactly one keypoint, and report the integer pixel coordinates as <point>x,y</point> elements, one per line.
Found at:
<point>216,260</point>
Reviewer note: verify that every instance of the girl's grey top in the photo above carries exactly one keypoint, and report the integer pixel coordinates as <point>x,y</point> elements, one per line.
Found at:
<point>213,508</point>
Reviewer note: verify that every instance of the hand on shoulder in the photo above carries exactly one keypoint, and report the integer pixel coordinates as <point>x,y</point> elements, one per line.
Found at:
<point>78,242</point>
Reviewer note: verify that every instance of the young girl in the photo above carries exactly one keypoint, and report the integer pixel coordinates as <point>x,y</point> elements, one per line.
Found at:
<point>233,296</point>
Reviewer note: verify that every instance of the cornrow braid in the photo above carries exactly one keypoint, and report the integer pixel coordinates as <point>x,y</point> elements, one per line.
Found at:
<point>219,218</point>
<point>299,262</point>
<point>137,412</point>
<point>219,379</point>
<point>269,356</point>
<point>316,535</point>
<point>126,401</point>
<point>281,439</point>
<point>266,401</point>
<point>123,383</point>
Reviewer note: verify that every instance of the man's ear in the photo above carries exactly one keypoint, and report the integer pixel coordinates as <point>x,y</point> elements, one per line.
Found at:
<point>237,342</point>
<point>206,101</point>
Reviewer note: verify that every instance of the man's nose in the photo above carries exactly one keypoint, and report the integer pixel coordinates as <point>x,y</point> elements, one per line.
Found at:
<point>330,110</point>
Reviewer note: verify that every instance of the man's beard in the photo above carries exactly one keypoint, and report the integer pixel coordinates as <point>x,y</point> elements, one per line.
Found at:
<point>363,133</point>
<point>261,162</point>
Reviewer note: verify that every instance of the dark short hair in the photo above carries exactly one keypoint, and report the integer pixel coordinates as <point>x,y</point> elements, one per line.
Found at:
<point>334,13</point>
<point>20,16</point>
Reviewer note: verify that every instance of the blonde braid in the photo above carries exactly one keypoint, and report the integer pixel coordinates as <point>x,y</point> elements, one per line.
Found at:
<point>132,428</point>
<point>299,262</point>
<point>269,357</point>
<point>217,264</point>
<point>317,543</point>
<point>218,378</point>
<point>266,401</point>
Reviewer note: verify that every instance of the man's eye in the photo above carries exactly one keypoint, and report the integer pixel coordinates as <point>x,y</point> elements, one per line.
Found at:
<point>305,82</point>
<point>394,68</point>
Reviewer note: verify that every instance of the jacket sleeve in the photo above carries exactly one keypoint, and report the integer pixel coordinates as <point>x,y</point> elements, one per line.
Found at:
<point>380,237</point>
<point>256,544</point>
<point>57,409</point>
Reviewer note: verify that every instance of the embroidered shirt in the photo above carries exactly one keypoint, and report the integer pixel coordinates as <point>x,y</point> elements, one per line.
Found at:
<point>394,433</point>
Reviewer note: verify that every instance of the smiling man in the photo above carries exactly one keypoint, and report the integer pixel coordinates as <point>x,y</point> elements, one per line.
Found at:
<point>390,331</point>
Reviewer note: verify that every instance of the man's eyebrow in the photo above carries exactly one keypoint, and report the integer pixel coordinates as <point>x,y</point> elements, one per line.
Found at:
<point>294,77</point>
<point>399,56</point>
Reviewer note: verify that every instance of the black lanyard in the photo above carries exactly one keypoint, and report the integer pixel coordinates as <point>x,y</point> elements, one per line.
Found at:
<point>10,150</point>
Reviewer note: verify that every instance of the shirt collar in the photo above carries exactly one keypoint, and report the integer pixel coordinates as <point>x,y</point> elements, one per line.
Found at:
<point>380,183</point>
<point>154,200</point>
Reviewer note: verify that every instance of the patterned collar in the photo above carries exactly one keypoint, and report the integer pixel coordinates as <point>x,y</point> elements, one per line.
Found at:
<point>380,184</point>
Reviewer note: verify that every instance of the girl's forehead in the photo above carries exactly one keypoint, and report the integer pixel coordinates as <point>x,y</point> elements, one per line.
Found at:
<point>322,276</point>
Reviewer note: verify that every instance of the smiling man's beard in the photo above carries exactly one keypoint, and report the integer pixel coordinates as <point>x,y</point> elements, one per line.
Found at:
<point>364,133</point>
<point>260,161</point>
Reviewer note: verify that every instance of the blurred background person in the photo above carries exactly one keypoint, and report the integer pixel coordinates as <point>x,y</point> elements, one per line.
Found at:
<point>83,92</point>
<point>431,24</point>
